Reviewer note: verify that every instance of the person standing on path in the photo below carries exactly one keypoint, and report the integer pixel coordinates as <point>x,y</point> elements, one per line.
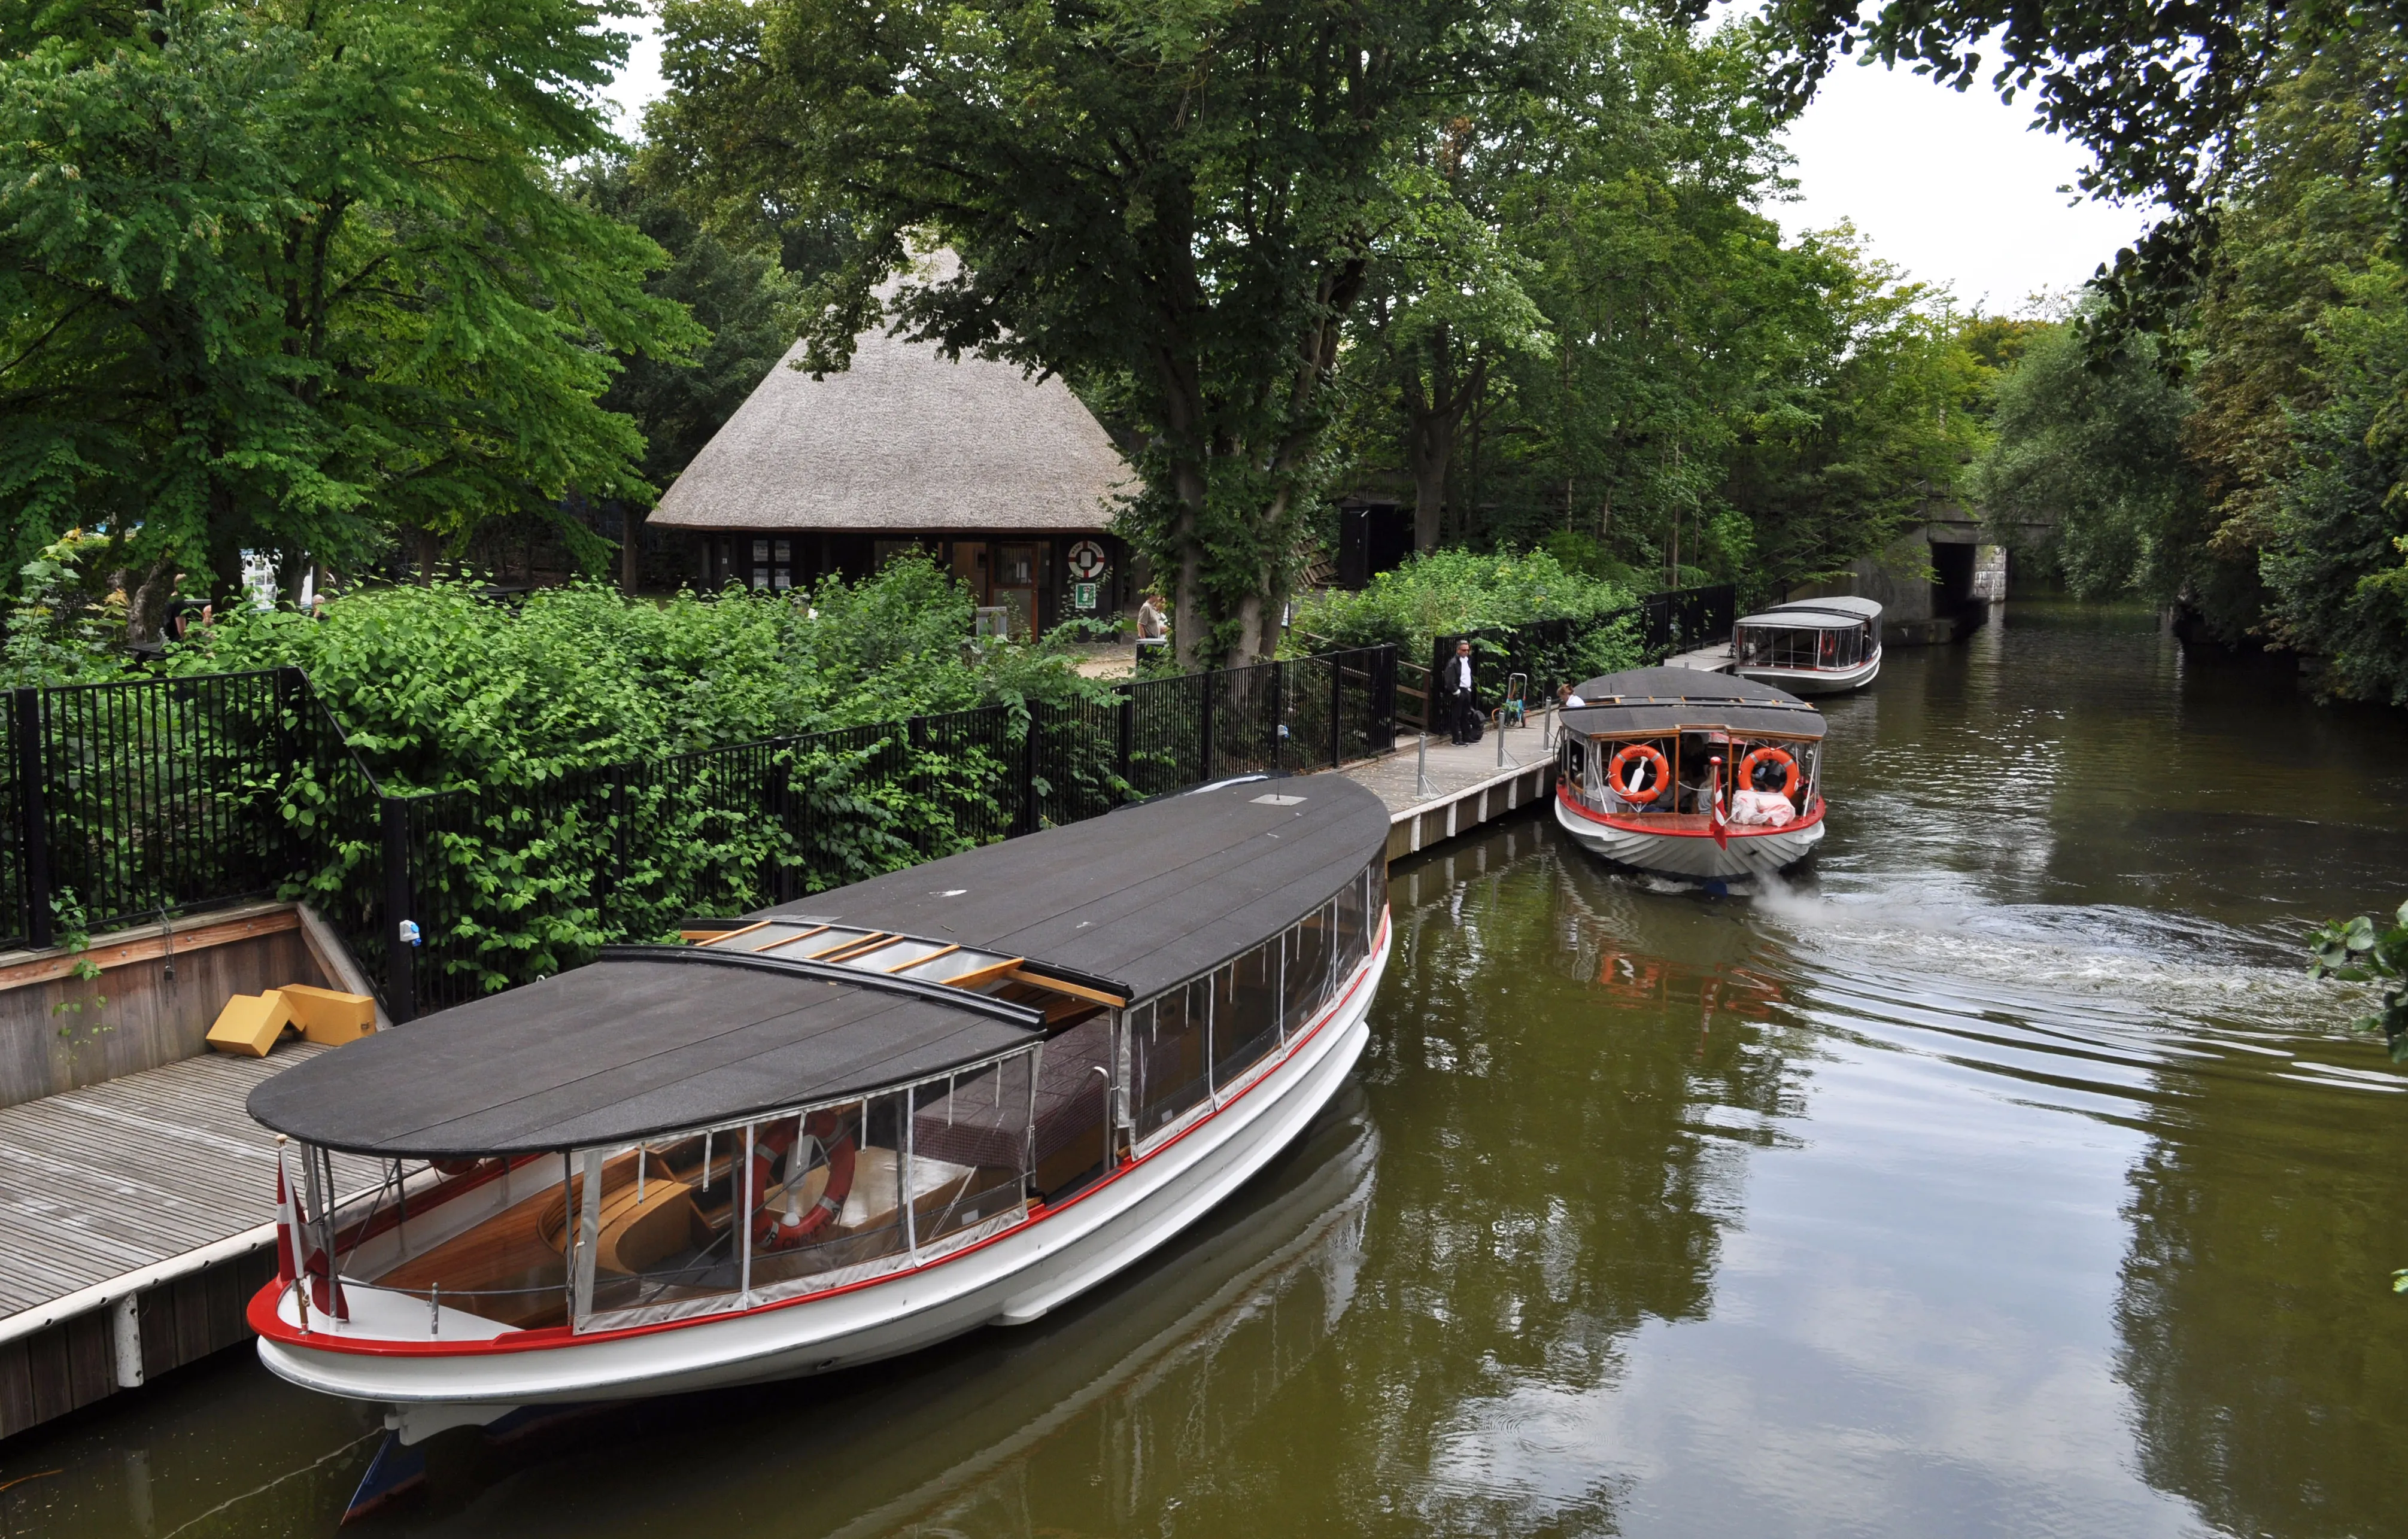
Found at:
<point>1463,713</point>
<point>1153,628</point>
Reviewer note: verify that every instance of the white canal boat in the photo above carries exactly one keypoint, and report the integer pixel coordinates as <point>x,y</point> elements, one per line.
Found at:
<point>1824,646</point>
<point>957,1095</point>
<point>1700,777</point>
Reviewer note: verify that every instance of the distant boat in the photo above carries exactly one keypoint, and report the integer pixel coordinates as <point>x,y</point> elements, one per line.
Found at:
<point>832,1132</point>
<point>1824,646</point>
<point>1701,776</point>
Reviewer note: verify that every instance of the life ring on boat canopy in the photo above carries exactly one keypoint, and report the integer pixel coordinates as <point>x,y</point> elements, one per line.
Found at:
<point>1628,790</point>
<point>787,1222</point>
<point>1770,756</point>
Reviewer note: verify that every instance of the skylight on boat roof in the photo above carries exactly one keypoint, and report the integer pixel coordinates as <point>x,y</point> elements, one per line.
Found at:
<point>872,951</point>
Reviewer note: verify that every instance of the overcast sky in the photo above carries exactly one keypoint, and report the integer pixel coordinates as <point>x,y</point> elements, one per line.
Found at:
<point>1950,187</point>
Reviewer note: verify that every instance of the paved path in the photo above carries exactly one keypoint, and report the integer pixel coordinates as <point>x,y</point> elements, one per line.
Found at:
<point>1452,769</point>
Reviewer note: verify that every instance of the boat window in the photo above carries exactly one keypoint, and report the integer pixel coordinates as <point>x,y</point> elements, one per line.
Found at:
<point>1307,984</point>
<point>1354,926</point>
<point>976,1124</point>
<point>1245,1012</point>
<point>743,1214</point>
<point>1074,1081</point>
<point>1575,764</point>
<point>1167,1056</point>
<point>465,1242</point>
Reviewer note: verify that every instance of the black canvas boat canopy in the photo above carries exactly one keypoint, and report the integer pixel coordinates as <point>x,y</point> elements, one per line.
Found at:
<point>1662,700</point>
<point>646,1042</point>
<point>654,1040</point>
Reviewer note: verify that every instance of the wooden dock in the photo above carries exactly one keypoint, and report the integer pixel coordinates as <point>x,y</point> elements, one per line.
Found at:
<point>1437,789</point>
<point>136,1219</point>
<point>1716,659</point>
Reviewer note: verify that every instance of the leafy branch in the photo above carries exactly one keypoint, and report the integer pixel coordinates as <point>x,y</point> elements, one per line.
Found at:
<point>2355,951</point>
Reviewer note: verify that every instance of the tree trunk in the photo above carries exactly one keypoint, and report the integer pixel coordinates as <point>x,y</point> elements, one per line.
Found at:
<point>428,550</point>
<point>1434,423</point>
<point>145,601</point>
<point>631,551</point>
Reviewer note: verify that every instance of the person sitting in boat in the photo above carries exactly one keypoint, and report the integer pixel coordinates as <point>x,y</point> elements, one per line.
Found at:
<point>1763,804</point>
<point>1705,765</point>
<point>1566,700</point>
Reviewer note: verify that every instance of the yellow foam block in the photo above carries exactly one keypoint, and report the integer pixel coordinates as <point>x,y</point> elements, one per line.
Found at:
<point>250,1023</point>
<point>327,1015</point>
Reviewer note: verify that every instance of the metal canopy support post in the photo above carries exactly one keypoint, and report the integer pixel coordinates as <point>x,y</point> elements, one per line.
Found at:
<point>34,823</point>
<point>746,1200</point>
<point>903,1195</point>
<point>589,1232</point>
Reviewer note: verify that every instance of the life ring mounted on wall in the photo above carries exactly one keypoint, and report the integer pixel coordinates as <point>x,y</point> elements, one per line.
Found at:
<point>1770,756</point>
<point>1640,759</point>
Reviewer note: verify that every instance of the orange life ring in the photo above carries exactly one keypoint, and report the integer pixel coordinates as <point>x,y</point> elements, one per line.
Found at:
<point>772,1228</point>
<point>1628,792</point>
<point>1769,755</point>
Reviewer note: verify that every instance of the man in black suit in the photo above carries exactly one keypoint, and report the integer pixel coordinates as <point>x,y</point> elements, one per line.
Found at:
<point>1463,707</point>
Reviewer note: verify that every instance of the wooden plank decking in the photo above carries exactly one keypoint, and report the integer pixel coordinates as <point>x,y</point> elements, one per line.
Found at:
<point>103,1181</point>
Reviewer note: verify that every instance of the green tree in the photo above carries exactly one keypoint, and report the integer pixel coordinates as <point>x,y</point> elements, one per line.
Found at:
<point>2164,96</point>
<point>289,277</point>
<point>1878,419</point>
<point>1174,209</point>
<point>2094,454</point>
<point>737,293</point>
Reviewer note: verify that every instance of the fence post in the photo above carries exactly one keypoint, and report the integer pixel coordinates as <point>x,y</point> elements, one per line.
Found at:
<point>401,957</point>
<point>34,822</point>
<point>1026,821</point>
<point>1204,692</point>
<point>1124,750</point>
<point>1336,709</point>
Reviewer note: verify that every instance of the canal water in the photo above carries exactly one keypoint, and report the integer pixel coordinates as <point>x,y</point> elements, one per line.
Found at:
<point>2003,1177</point>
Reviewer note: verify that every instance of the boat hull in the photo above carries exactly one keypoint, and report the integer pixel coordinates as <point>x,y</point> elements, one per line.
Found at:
<point>1011,1278</point>
<point>1688,856</point>
<point>1806,682</point>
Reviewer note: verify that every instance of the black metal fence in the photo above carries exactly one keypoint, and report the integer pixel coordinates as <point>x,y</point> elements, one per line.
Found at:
<point>1686,618</point>
<point>123,801</point>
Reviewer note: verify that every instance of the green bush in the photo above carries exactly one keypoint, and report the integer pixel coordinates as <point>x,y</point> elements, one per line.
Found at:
<point>564,747</point>
<point>1445,592</point>
<point>438,688</point>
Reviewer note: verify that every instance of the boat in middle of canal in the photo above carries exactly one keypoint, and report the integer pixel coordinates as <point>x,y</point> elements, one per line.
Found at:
<point>1699,776</point>
<point>835,1131</point>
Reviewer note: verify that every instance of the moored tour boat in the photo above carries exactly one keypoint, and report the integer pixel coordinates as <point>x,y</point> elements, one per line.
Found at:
<point>831,1132</point>
<point>1701,776</point>
<point>1824,646</point>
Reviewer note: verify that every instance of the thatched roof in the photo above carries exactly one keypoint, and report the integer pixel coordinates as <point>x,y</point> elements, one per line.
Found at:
<point>903,440</point>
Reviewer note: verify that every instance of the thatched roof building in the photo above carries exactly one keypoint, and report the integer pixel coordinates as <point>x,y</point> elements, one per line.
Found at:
<point>1009,479</point>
